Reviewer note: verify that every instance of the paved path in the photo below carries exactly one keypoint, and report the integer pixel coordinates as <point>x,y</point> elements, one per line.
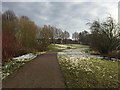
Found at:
<point>42,72</point>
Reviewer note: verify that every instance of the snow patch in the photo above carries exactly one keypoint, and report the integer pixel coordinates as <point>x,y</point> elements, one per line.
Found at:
<point>26,56</point>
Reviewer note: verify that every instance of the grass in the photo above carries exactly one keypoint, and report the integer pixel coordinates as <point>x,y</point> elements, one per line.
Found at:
<point>78,46</point>
<point>54,48</point>
<point>93,73</point>
<point>61,47</point>
<point>88,72</point>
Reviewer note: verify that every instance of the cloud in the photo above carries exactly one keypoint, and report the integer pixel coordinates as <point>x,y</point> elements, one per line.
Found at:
<point>43,17</point>
<point>70,16</point>
<point>60,1</point>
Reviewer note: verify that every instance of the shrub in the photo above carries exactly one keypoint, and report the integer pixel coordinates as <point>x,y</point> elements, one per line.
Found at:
<point>8,46</point>
<point>115,54</point>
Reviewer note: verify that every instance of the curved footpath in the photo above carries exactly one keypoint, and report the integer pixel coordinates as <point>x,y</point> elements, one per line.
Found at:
<point>42,72</point>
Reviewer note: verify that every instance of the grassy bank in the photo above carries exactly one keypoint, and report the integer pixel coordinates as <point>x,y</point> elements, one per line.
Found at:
<point>88,72</point>
<point>61,47</point>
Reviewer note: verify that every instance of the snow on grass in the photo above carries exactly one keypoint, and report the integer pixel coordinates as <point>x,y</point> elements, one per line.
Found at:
<point>61,46</point>
<point>27,56</point>
<point>17,62</point>
<point>87,71</point>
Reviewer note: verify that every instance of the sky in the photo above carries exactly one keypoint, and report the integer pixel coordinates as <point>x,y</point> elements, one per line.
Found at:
<point>69,16</point>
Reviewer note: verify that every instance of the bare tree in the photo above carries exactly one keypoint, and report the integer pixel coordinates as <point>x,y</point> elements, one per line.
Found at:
<point>105,35</point>
<point>66,35</point>
<point>75,36</point>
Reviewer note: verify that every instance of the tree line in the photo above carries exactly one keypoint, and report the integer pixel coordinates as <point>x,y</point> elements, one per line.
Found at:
<point>21,35</point>
<point>104,37</point>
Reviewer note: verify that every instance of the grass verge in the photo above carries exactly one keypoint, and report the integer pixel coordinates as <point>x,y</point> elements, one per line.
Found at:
<point>89,73</point>
<point>14,64</point>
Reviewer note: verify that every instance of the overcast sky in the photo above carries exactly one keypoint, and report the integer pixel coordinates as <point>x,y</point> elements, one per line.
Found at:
<point>70,16</point>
